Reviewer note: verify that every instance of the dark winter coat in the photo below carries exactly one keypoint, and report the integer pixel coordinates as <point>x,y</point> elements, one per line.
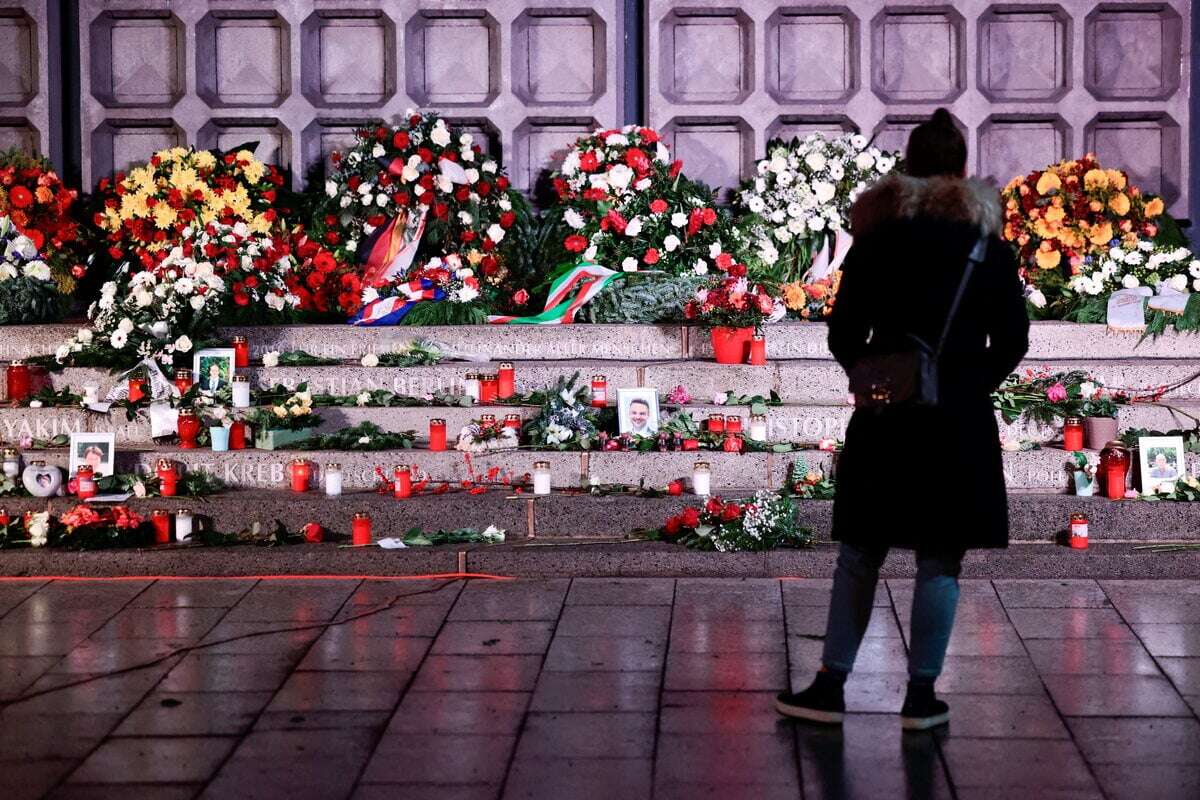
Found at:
<point>927,478</point>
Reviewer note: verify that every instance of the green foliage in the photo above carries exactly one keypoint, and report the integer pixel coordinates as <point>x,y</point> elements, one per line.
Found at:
<point>1191,437</point>
<point>446,313</point>
<point>299,358</point>
<point>416,353</point>
<point>642,297</point>
<point>25,300</point>
<point>365,436</point>
<point>415,537</point>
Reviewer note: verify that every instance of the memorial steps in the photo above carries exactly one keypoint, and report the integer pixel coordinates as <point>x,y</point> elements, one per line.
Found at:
<point>810,384</point>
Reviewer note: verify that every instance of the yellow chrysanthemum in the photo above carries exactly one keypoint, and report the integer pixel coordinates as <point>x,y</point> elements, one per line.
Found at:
<point>1116,179</point>
<point>1095,179</point>
<point>260,224</point>
<point>1119,204</point>
<point>204,159</point>
<point>254,171</point>
<point>140,178</point>
<point>112,220</point>
<point>1055,215</point>
<point>1048,182</point>
<point>1155,207</point>
<point>134,205</point>
<point>183,178</point>
<point>164,216</point>
<point>164,154</point>
<point>1048,259</point>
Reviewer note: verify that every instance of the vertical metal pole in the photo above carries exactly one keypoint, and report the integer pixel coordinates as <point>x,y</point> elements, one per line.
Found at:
<point>635,68</point>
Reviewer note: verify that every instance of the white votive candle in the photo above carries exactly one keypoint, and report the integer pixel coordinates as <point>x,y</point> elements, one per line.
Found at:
<point>91,394</point>
<point>541,477</point>
<point>183,525</point>
<point>701,479</point>
<point>333,480</point>
<point>241,391</point>
<point>758,427</point>
<point>471,385</point>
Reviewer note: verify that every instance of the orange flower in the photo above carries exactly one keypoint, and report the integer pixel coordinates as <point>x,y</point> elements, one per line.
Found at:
<point>1101,234</point>
<point>1154,207</point>
<point>1048,182</point>
<point>1119,205</point>
<point>43,194</point>
<point>1048,259</point>
<point>793,296</point>
<point>1095,179</point>
<point>1116,179</point>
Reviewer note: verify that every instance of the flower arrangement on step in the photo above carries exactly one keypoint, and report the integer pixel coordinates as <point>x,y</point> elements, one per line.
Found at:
<point>417,192</point>
<point>798,201</point>
<point>808,484</point>
<point>28,290</point>
<point>567,420</point>
<point>1064,218</point>
<point>486,435</point>
<point>83,527</point>
<point>42,208</point>
<point>763,522</point>
<point>1139,264</point>
<point>284,422</point>
<point>363,437</point>
<point>734,309</point>
<point>1044,398</point>
<point>212,274</point>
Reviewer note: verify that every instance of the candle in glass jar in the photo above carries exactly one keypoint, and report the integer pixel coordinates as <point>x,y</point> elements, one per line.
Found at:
<point>237,435</point>
<point>183,525</point>
<point>301,473</point>
<point>168,477</point>
<point>241,352</point>
<point>732,443</point>
<point>758,350</point>
<point>487,420</point>
<point>512,421</point>
<point>488,389</point>
<point>183,380</point>
<point>733,424</point>
<point>506,380</point>
<point>188,427</point>
<point>403,481</point>
<point>1114,464</point>
<point>471,386</point>
<point>137,388</point>
<point>716,423</point>
<point>160,518</point>
<point>701,479</point>
<point>599,391</point>
<point>20,382</point>
<point>758,427</point>
<point>241,391</point>
<point>1073,434</point>
<point>4,519</point>
<point>437,434</point>
<point>541,477</point>
<point>1078,538</point>
<point>333,480</point>
<point>12,462</point>
<point>360,529</point>
<point>85,482</point>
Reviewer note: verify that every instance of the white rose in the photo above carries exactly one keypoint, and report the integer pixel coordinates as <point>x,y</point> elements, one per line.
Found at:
<point>440,134</point>
<point>1037,299</point>
<point>125,325</point>
<point>630,264</point>
<point>700,267</point>
<point>63,352</point>
<point>670,243</point>
<point>489,166</point>
<point>271,359</point>
<point>377,151</point>
<point>714,250</point>
<point>362,399</point>
<point>38,270</point>
<point>777,164</point>
<point>1178,282</point>
<point>1130,282</point>
<point>196,303</point>
<point>619,177</point>
<point>444,184</point>
<point>331,189</point>
<point>370,360</point>
<point>634,227</point>
<point>495,233</point>
<point>679,219</point>
<point>381,199</point>
<point>84,335</point>
<point>864,161</point>
<point>824,191</point>
<point>815,161</point>
<point>160,329</point>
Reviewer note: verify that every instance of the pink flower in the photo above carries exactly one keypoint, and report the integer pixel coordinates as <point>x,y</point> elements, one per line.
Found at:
<point>679,396</point>
<point>1057,393</point>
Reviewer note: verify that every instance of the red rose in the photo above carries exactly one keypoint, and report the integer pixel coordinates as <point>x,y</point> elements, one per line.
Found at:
<point>676,168</point>
<point>483,188</point>
<point>520,297</point>
<point>425,154</point>
<point>400,140</point>
<point>737,271</point>
<point>690,517</point>
<point>724,261</point>
<point>331,237</point>
<point>658,205</point>
<point>731,512</point>
<point>674,526</point>
<point>502,184</point>
<point>713,506</point>
<point>313,533</point>
<point>507,219</point>
<point>651,256</point>
<point>575,243</point>
<point>709,216</point>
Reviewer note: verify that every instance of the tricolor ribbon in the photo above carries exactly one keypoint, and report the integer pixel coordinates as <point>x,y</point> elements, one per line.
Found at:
<point>389,250</point>
<point>569,293</point>
<point>390,310</point>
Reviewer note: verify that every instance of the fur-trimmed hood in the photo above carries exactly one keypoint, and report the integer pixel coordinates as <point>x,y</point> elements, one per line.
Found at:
<point>897,196</point>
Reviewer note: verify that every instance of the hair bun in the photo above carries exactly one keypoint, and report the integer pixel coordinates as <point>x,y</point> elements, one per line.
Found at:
<point>942,119</point>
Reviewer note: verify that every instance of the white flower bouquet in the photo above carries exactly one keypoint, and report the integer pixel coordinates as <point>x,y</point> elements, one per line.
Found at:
<point>28,292</point>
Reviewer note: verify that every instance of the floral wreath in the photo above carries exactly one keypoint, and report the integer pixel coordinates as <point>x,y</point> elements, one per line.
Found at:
<point>42,208</point>
<point>406,194</point>
<point>626,205</point>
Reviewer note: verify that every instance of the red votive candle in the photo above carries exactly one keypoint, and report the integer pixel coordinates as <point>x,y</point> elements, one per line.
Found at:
<point>691,444</point>
<point>188,427</point>
<point>599,391</point>
<point>168,477</point>
<point>758,351</point>
<point>733,424</point>
<point>360,529</point>
<point>20,382</point>
<point>512,421</point>
<point>403,482</point>
<point>3,516</point>
<point>241,352</point>
<point>301,472</point>
<point>137,389</point>
<point>1114,483</point>
<point>183,380</point>
<point>237,436</point>
<point>161,520</point>
<point>489,389</point>
<point>85,482</point>
<point>732,444</point>
<point>506,380</point>
<point>487,420</point>
<point>437,434</point>
<point>716,423</point>
<point>1078,538</point>
<point>1073,434</point>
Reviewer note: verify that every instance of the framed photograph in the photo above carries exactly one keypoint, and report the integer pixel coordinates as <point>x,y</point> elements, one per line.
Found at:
<point>97,449</point>
<point>637,411</point>
<point>1161,462</point>
<point>213,368</point>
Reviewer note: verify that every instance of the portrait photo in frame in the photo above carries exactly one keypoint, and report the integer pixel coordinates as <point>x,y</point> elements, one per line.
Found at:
<point>1161,462</point>
<point>637,411</point>
<point>213,368</point>
<point>97,449</point>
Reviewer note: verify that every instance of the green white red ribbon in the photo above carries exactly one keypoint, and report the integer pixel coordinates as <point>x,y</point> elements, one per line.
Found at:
<point>570,292</point>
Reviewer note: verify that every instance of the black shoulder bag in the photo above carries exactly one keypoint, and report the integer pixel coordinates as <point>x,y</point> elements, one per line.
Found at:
<point>909,377</point>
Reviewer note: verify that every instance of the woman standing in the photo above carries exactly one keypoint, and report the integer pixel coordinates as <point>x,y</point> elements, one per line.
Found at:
<point>928,478</point>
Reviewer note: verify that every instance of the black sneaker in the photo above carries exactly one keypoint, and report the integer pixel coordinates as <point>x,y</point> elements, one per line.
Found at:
<point>823,702</point>
<point>922,710</point>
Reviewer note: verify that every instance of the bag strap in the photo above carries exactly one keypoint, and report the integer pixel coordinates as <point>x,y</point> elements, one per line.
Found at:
<point>977,255</point>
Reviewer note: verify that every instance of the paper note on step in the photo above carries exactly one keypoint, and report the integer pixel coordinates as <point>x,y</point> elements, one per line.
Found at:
<point>392,543</point>
<point>1169,300</point>
<point>110,498</point>
<point>1126,311</point>
<point>164,420</point>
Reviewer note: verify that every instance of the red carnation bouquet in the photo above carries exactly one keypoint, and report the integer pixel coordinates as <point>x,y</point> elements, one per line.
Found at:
<point>762,522</point>
<point>323,285</point>
<point>733,302</point>
<point>35,199</point>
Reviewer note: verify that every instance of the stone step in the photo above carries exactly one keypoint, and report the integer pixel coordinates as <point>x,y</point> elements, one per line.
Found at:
<point>1048,340</point>
<point>571,516</point>
<point>1041,470</point>
<point>599,558</point>
<point>808,381</point>
<point>806,424</point>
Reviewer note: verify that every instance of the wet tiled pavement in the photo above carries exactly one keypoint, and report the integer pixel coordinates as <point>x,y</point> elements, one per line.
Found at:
<point>584,688</point>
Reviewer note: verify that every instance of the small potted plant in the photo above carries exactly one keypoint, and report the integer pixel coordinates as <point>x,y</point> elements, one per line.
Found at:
<point>1099,409</point>
<point>217,419</point>
<point>1083,474</point>
<point>734,310</point>
<point>288,422</point>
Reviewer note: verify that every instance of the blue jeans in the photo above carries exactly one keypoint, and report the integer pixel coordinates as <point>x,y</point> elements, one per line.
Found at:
<point>935,598</point>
